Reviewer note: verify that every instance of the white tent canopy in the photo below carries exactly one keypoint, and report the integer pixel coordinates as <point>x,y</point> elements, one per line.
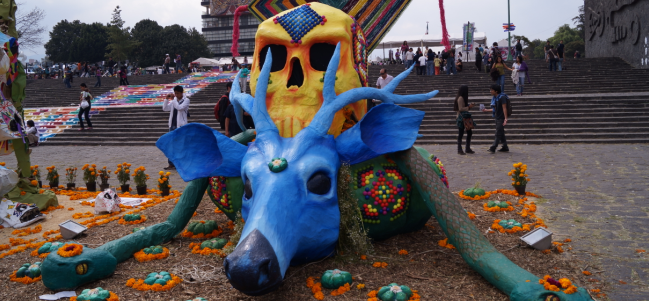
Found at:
<point>478,37</point>
<point>228,60</point>
<point>206,62</point>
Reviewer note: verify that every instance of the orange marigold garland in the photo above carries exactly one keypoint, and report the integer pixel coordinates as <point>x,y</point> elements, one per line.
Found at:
<point>141,285</point>
<point>151,253</point>
<point>24,280</point>
<point>556,286</point>
<point>70,250</point>
<point>477,197</point>
<point>214,233</point>
<point>341,290</point>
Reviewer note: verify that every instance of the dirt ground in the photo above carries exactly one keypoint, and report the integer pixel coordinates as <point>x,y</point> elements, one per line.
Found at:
<point>436,272</point>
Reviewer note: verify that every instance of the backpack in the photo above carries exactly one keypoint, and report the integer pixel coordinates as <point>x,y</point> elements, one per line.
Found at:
<point>509,105</point>
<point>217,107</point>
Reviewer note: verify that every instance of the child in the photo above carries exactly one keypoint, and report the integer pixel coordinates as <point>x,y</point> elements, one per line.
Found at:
<point>32,133</point>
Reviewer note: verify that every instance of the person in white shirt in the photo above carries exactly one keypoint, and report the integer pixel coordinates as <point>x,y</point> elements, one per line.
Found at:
<point>32,133</point>
<point>410,56</point>
<point>383,80</point>
<point>422,65</point>
<point>177,104</point>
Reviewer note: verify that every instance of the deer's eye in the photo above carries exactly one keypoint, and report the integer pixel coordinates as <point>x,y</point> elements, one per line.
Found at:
<point>319,183</point>
<point>247,189</point>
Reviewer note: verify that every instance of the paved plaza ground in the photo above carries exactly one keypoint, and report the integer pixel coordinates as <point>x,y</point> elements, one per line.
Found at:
<point>596,195</point>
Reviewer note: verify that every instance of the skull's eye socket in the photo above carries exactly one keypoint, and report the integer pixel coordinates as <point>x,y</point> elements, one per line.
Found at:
<point>319,183</point>
<point>247,189</point>
<point>320,55</point>
<point>81,269</point>
<point>279,57</point>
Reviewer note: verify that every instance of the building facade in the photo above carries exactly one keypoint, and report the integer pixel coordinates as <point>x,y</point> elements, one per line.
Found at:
<point>218,19</point>
<point>618,28</point>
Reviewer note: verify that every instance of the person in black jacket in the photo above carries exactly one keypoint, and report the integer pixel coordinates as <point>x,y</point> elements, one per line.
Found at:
<point>478,59</point>
<point>222,105</point>
<point>560,53</point>
<point>519,48</point>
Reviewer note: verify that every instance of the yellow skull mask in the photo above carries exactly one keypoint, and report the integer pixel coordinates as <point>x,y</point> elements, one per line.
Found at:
<point>302,41</point>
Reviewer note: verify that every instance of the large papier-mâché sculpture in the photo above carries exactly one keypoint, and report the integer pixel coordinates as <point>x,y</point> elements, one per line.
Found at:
<point>286,190</point>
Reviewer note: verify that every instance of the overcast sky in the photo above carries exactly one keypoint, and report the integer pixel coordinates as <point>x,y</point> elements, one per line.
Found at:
<point>534,19</point>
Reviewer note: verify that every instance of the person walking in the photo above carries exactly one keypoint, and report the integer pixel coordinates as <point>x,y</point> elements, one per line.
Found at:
<point>560,47</point>
<point>222,105</point>
<point>123,76</point>
<point>166,64</point>
<point>177,104</point>
<point>500,65</point>
<point>520,68</point>
<point>66,77</point>
<point>450,63</point>
<point>422,65</point>
<point>85,104</point>
<point>98,76</point>
<point>519,48</point>
<point>486,61</point>
<point>478,60</point>
<point>397,56</point>
<point>243,78</point>
<point>552,57</point>
<point>546,48</point>
<point>179,64</point>
<point>438,63</point>
<point>499,112</point>
<point>430,62</point>
<point>111,64</point>
<point>463,119</point>
<point>409,56</point>
<point>404,49</point>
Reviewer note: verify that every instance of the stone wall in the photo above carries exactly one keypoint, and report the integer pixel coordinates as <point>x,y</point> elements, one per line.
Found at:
<point>618,28</point>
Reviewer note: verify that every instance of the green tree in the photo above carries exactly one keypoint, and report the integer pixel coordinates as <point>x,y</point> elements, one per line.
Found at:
<point>198,46</point>
<point>59,47</point>
<point>120,42</point>
<point>566,34</point>
<point>149,34</point>
<point>579,21</point>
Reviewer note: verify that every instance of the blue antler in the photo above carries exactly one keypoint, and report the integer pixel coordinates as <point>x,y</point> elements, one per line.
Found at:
<point>332,103</point>
<point>255,106</point>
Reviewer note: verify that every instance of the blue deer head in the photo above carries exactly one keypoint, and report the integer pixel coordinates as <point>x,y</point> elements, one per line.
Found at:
<point>290,203</point>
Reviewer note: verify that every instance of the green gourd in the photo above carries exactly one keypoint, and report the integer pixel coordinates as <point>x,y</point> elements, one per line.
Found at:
<point>132,217</point>
<point>394,292</point>
<point>509,224</point>
<point>29,270</point>
<point>497,204</point>
<point>199,227</point>
<point>198,299</point>
<point>153,250</point>
<point>49,247</point>
<point>138,229</point>
<point>334,279</point>
<point>160,278</point>
<point>96,294</point>
<point>214,243</point>
<point>473,192</point>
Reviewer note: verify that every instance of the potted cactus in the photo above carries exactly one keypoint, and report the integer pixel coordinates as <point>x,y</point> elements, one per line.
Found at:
<point>52,177</point>
<point>71,177</point>
<point>140,180</point>
<point>90,177</point>
<point>124,176</point>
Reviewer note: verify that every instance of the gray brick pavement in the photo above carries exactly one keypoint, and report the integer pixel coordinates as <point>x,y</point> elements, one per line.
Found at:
<point>595,194</point>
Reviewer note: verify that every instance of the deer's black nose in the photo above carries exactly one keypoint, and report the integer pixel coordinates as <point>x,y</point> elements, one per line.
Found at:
<point>253,267</point>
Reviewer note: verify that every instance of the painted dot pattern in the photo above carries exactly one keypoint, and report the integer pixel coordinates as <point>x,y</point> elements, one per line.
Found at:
<point>386,192</point>
<point>219,190</point>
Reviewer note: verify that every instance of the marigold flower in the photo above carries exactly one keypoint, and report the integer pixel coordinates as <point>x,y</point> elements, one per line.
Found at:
<point>587,273</point>
<point>363,257</point>
<point>360,286</point>
<point>403,252</point>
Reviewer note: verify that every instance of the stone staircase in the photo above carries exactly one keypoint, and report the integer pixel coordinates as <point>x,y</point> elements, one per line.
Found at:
<point>43,93</point>
<point>593,101</point>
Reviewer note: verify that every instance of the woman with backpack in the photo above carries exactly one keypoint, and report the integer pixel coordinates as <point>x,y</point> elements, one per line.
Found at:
<point>498,72</point>
<point>463,119</point>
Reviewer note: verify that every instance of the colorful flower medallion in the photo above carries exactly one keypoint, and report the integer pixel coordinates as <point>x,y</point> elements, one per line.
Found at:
<point>277,164</point>
<point>218,186</point>
<point>299,22</point>
<point>386,190</point>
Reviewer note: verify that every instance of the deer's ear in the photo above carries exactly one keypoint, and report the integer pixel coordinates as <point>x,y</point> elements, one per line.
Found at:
<point>199,151</point>
<point>386,128</point>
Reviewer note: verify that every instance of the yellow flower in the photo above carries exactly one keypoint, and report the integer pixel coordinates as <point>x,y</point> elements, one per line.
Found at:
<point>119,165</point>
<point>94,165</point>
<point>168,174</point>
<point>161,173</point>
<point>518,183</point>
<point>521,175</point>
<point>509,173</point>
<point>92,173</point>
<point>513,179</point>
